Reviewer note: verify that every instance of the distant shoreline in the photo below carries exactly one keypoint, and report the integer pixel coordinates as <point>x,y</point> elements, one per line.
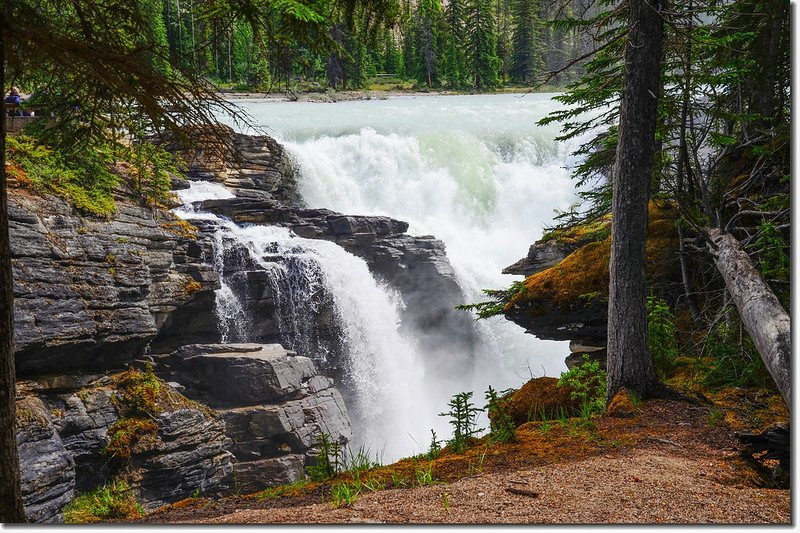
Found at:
<point>364,94</point>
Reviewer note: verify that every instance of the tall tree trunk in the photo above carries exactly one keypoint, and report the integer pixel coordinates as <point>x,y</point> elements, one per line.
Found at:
<point>11,509</point>
<point>763,316</point>
<point>630,364</point>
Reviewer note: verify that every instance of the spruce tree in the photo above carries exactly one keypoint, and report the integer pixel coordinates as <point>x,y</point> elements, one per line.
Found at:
<point>454,37</point>
<point>526,58</point>
<point>427,20</point>
<point>483,64</point>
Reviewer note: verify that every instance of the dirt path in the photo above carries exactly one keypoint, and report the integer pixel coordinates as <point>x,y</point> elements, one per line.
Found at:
<point>668,465</point>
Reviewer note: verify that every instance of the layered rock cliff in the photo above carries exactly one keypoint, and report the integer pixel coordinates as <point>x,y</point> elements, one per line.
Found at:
<point>96,295</point>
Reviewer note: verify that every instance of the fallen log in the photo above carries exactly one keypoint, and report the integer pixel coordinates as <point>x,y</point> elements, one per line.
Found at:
<point>762,314</point>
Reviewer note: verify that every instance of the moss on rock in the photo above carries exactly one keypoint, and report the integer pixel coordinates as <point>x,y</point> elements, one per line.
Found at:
<point>541,399</point>
<point>584,274</point>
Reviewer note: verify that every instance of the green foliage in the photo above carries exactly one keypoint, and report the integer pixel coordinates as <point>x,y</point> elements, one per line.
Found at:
<point>661,333</point>
<point>731,361</point>
<point>427,21</point>
<point>424,475</point>
<point>280,491</point>
<point>113,501</point>
<point>463,415</point>
<point>588,384</point>
<point>771,248</point>
<point>434,447</point>
<point>359,461</point>
<point>330,459</point>
<point>503,428</point>
<point>526,58</point>
<point>86,182</point>
<point>480,45</point>
<point>344,494</point>
<point>86,178</point>
<point>499,300</point>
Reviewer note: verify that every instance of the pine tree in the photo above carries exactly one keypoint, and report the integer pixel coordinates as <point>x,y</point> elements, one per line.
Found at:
<point>454,64</point>
<point>483,64</point>
<point>427,20</point>
<point>526,58</point>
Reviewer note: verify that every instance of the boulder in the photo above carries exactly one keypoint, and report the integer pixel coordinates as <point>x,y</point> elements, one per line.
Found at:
<point>273,402</point>
<point>238,374</point>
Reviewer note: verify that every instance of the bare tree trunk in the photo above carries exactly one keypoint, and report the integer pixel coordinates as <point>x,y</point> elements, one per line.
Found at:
<point>11,509</point>
<point>763,316</point>
<point>630,364</point>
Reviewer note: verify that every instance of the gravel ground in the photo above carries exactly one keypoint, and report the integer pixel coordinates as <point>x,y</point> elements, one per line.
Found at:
<point>669,464</point>
<point>652,485</point>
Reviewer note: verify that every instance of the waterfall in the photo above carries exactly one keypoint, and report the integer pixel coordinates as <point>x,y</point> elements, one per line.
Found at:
<point>475,171</point>
<point>381,371</point>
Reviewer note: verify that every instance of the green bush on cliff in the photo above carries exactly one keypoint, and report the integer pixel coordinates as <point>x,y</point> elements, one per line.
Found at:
<point>86,182</point>
<point>88,179</point>
<point>113,501</point>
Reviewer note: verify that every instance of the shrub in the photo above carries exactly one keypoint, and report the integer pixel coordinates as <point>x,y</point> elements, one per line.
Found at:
<point>502,425</point>
<point>588,384</point>
<point>113,501</point>
<point>329,460</point>
<point>730,362</point>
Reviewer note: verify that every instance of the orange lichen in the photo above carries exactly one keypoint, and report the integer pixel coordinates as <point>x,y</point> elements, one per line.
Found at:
<point>585,271</point>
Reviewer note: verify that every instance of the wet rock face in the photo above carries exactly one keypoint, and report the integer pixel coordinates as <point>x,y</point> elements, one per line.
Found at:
<point>416,266</point>
<point>253,167</point>
<point>90,293</point>
<point>273,402</point>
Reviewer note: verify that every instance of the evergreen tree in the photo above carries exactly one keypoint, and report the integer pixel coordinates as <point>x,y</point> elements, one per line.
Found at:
<point>427,20</point>
<point>454,63</point>
<point>483,64</point>
<point>526,58</point>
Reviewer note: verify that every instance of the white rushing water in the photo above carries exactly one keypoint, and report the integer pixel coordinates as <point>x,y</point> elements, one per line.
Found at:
<point>475,171</point>
<point>382,367</point>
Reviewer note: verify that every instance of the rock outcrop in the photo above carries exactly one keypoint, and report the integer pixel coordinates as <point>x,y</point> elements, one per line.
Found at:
<point>252,167</point>
<point>65,426</point>
<point>566,298</point>
<point>90,293</point>
<point>274,403</point>
<point>47,468</point>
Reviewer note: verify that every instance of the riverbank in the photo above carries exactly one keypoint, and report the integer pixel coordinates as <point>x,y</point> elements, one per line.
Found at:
<point>331,96</point>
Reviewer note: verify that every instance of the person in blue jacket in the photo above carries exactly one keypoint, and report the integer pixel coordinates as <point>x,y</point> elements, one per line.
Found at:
<point>14,98</point>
